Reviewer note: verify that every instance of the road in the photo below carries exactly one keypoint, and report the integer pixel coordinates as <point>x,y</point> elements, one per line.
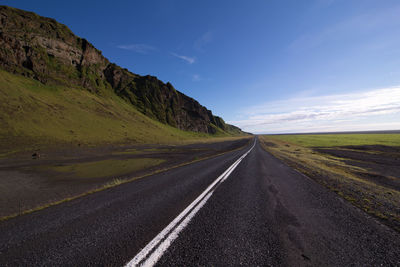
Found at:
<point>234,209</point>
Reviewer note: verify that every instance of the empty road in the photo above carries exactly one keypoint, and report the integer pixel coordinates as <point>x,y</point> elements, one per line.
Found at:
<point>241,208</point>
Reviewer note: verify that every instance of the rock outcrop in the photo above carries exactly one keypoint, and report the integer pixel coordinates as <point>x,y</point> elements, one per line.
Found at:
<point>48,51</point>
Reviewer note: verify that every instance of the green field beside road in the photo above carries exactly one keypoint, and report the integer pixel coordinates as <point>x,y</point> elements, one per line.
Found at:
<point>329,140</point>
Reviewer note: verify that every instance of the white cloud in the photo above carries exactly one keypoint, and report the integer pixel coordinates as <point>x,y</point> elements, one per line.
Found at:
<point>196,77</point>
<point>374,110</point>
<point>206,38</point>
<point>138,48</point>
<point>189,60</point>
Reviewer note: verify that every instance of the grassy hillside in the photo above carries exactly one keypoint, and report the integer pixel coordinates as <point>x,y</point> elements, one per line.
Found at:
<point>33,114</point>
<point>48,51</point>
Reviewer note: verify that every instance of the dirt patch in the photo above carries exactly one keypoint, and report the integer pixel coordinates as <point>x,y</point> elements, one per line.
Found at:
<point>390,182</point>
<point>381,148</point>
<point>381,163</point>
<point>26,183</point>
<point>269,144</point>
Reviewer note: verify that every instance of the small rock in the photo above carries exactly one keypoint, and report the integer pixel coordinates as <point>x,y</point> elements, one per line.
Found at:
<point>305,257</point>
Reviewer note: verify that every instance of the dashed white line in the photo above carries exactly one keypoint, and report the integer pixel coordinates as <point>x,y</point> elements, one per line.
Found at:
<point>153,251</point>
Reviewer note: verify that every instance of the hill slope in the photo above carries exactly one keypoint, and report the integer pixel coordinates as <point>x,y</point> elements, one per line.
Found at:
<point>42,49</point>
<point>33,115</point>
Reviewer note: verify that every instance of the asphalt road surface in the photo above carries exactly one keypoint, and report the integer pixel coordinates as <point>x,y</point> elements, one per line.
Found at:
<point>241,208</point>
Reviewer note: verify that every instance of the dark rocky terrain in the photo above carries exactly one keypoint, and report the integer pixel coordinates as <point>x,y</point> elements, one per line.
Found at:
<point>48,51</point>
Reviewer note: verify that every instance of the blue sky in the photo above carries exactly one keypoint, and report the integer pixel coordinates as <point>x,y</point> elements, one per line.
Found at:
<point>267,66</point>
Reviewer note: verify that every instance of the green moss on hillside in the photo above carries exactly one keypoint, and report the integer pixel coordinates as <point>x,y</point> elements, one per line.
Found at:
<point>33,114</point>
<point>45,50</point>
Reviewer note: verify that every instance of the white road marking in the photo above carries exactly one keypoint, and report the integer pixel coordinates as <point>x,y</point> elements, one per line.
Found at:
<point>153,251</point>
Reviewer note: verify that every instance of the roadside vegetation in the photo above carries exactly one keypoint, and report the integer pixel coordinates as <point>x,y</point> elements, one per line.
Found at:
<point>35,116</point>
<point>333,140</point>
<point>361,168</point>
<point>28,184</point>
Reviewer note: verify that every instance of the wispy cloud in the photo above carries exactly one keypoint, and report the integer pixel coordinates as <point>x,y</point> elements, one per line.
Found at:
<point>189,60</point>
<point>353,28</point>
<point>196,77</point>
<point>203,40</point>
<point>138,48</point>
<point>375,109</point>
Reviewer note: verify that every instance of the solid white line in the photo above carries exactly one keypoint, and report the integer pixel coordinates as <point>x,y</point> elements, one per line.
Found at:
<point>143,253</point>
<point>166,236</point>
<point>156,255</point>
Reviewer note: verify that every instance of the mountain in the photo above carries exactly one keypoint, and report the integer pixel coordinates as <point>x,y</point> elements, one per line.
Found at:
<point>42,49</point>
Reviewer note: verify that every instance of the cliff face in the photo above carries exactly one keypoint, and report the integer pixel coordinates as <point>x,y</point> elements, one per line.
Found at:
<point>45,50</point>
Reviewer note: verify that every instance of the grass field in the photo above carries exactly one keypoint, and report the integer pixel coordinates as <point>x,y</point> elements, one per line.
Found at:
<point>34,115</point>
<point>330,140</point>
<point>361,168</point>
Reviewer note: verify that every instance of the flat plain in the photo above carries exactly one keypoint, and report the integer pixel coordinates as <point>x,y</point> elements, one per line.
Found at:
<point>362,168</point>
<point>29,184</point>
<point>260,213</point>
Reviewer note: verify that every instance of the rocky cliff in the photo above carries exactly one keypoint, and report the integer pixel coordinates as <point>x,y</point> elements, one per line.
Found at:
<point>45,50</point>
